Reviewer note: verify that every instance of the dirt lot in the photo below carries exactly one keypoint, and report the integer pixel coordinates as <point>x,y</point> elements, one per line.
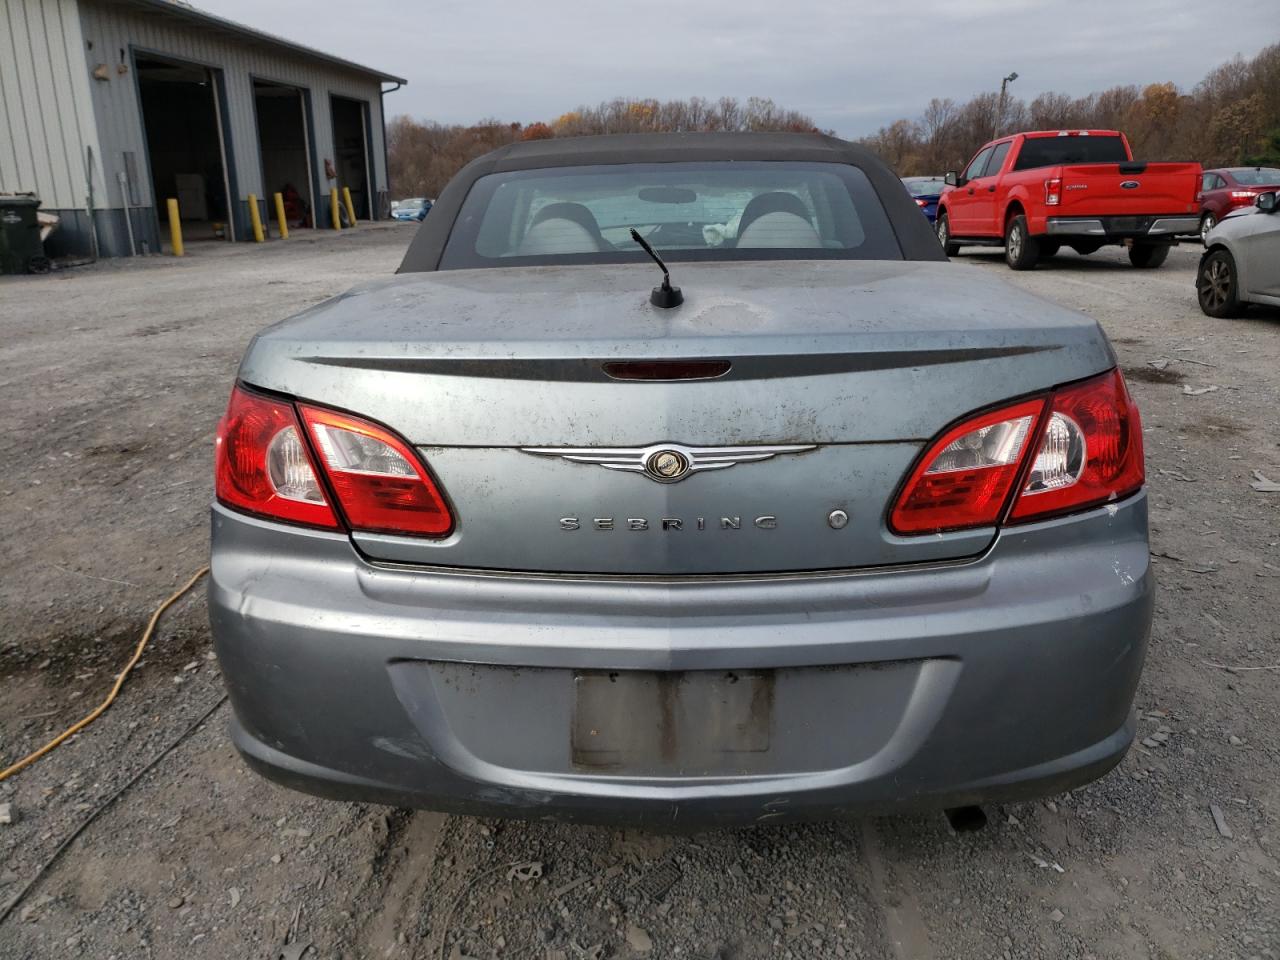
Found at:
<point>111,381</point>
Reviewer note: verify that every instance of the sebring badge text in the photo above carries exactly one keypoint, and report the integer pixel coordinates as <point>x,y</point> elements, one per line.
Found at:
<point>665,523</point>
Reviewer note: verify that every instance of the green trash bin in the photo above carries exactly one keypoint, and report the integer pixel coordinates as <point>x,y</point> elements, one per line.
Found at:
<point>21,250</point>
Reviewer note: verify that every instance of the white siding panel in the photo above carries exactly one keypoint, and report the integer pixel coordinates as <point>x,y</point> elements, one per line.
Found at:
<point>44,120</point>
<point>58,180</point>
<point>17,168</point>
<point>112,29</point>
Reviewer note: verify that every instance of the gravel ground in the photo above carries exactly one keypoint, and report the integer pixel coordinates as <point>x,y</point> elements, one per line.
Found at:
<point>112,378</point>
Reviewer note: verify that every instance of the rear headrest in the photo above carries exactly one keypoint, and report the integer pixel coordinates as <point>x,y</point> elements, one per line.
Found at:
<point>776,201</point>
<point>575,213</point>
<point>563,228</point>
<point>780,230</point>
<point>554,236</point>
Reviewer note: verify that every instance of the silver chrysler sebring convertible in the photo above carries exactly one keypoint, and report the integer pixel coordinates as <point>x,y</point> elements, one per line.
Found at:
<point>680,479</point>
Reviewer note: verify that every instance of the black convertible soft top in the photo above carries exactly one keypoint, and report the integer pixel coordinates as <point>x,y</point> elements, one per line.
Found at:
<point>912,230</point>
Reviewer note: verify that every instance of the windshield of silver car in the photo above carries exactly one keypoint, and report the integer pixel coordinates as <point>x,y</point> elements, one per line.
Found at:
<point>687,211</point>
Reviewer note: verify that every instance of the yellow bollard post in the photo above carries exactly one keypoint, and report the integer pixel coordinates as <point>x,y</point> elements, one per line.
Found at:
<point>175,228</point>
<point>334,219</point>
<point>255,219</point>
<point>351,210</point>
<point>284,224</point>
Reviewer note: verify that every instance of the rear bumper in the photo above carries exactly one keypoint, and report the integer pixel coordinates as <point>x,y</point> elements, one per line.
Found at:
<point>1122,228</point>
<point>1011,675</point>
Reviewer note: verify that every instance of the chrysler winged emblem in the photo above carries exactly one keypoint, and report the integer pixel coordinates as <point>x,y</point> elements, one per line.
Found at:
<point>666,462</point>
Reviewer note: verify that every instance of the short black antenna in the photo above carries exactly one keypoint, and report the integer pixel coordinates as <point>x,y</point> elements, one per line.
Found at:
<point>665,296</point>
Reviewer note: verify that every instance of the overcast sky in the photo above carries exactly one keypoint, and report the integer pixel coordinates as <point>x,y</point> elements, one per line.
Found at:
<point>852,66</point>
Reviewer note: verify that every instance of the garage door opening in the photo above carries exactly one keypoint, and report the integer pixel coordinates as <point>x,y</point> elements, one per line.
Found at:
<point>351,149</point>
<point>186,148</point>
<point>284,137</point>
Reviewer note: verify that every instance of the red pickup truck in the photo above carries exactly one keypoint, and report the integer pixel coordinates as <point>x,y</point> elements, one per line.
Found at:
<point>1035,192</point>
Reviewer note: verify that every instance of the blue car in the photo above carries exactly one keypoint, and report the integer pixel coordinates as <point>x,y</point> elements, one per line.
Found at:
<point>925,191</point>
<point>415,208</point>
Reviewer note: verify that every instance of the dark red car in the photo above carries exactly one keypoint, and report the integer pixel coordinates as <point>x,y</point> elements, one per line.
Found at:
<point>1230,188</point>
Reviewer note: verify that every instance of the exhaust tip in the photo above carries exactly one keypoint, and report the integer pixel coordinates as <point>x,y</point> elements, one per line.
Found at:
<point>966,819</point>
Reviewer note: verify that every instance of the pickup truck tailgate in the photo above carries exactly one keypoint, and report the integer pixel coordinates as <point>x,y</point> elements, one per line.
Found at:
<point>1127,189</point>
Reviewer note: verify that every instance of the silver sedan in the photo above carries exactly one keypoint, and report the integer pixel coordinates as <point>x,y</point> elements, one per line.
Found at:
<point>681,479</point>
<point>1241,262</point>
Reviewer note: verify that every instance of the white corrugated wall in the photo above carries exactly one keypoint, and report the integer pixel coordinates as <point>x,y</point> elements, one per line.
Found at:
<point>115,32</point>
<point>46,120</point>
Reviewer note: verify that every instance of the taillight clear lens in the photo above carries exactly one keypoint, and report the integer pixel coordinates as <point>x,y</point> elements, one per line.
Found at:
<point>1091,450</point>
<point>352,452</point>
<point>965,477</point>
<point>289,468</point>
<point>996,445</point>
<point>1061,456</point>
<point>380,483</point>
<point>261,465</point>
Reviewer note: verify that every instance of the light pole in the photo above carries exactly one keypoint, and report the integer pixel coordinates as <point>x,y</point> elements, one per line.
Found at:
<point>1004,84</point>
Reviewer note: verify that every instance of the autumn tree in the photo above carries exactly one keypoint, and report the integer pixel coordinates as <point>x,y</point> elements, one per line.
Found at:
<point>537,131</point>
<point>1230,117</point>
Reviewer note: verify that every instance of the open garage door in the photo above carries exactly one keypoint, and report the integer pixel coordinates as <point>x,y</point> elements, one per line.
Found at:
<point>186,146</point>
<point>351,152</point>
<point>284,137</point>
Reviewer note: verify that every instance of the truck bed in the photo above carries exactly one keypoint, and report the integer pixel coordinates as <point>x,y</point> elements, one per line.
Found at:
<point>1121,189</point>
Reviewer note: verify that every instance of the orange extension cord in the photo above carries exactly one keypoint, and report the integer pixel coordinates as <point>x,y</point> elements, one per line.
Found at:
<point>102,707</point>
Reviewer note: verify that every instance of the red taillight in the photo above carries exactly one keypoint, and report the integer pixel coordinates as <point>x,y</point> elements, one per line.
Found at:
<point>1242,198</point>
<point>965,478</point>
<point>262,465</point>
<point>265,465</point>
<point>1053,191</point>
<point>921,203</point>
<point>1090,451</point>
<point>380,483</point>
<point>1087,443</point>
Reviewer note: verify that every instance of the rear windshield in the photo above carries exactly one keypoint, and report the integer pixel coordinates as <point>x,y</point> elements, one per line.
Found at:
<point>1055,151</point>
<point>686,211</point>
<point>925,188</point>
<point>1260,177</point>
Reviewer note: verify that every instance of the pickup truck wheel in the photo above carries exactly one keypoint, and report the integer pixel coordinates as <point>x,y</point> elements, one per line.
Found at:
<point>1217,285</point>
<point>943,230</point>
<point>1207,223</point>
<point>1049,248</point>
<point>1148,256</point>
<point>1021,250</point>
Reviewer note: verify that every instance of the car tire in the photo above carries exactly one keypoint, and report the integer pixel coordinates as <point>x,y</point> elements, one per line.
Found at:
<point>1148,256</point>
<point>942,227</point>
<point>1207,223</point>
<point>1049,248</point>
<point>1086,247</point>
<point>1217,285</point>
<point>1021,250</point>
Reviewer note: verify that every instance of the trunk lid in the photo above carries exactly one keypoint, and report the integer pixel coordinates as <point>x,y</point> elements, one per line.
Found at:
<point>499,377</point>
<point>1127,189</point>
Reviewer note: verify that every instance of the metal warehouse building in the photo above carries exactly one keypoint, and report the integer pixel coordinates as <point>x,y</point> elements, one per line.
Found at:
<point>110,107</point>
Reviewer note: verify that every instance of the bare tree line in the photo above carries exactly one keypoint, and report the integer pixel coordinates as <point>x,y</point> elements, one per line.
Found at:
<point>1231,117</point>
<point>423,155</point>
